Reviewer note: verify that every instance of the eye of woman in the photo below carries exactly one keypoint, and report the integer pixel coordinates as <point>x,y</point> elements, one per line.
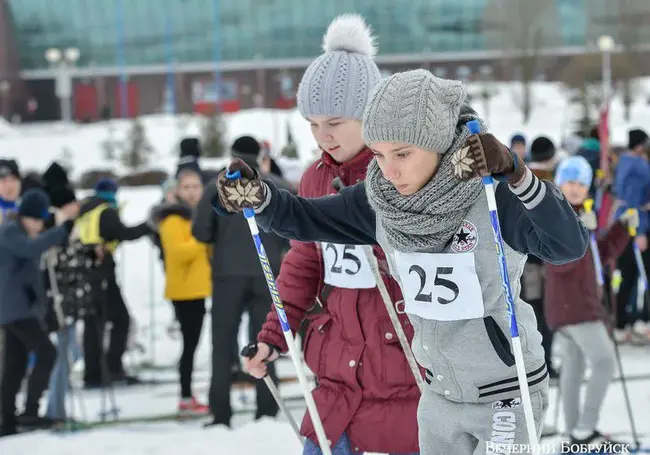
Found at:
<point>403,154</point>
<point>333,124</point>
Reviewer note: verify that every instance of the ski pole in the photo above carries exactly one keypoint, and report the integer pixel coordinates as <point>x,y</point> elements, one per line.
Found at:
<point>598,266</point>
<point>626,393</point>
<point>338,184</point>
<point>488,183</point>
<point>249,214</point>
<point>250,351</point>
<point>642,283</point>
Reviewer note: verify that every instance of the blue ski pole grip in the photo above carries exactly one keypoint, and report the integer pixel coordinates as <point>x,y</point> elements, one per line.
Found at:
<point>473,126</point>
<point>234,175</point>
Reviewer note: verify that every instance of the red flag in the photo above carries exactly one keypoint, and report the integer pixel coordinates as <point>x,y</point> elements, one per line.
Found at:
<point>603,136</point>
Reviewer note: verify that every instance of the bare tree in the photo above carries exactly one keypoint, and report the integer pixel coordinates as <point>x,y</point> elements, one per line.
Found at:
<point>628,22</point>
<point>522,29</point>
<point>583,77</point>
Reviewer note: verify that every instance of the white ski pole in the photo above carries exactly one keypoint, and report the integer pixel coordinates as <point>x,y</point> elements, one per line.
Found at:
<point>249,214</point>
<point>642,282</point>
<point>338,184</point>
<point>488,182</point>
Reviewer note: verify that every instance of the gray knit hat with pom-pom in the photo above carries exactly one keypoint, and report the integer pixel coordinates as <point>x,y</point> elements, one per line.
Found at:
<point>339,82</point>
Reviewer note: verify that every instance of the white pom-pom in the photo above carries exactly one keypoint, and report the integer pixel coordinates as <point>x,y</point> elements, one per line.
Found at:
<point>349,33</point>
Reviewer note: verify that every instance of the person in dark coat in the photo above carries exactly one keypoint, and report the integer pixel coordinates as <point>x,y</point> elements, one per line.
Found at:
<point>100,227</point>
<point>238,285</point>
<point>542,163</point>
<point>9,191</point>
<point>23,305</point>
<point>68,293</point>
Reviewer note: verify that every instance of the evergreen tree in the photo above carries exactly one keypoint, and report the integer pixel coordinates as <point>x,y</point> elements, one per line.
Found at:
<point>290,150</point>
<point>213,136</point>
<point>137,148</point>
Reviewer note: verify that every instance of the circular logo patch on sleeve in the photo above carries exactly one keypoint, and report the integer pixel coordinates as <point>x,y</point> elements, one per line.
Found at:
<point>465,238</point>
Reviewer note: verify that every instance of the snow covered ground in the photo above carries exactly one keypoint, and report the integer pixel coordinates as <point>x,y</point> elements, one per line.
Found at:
<point>141,276</point>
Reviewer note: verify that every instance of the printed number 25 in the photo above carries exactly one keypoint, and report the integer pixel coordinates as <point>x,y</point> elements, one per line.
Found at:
<point>347,255</point>
<point>437,281</point>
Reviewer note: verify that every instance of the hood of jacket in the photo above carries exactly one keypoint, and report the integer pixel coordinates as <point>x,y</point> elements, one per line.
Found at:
<point>161,211</point>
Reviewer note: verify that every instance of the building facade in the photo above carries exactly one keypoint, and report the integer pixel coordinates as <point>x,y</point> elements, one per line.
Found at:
<point>142,56</point>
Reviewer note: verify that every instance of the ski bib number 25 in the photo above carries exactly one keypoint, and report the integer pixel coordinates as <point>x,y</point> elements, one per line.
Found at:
<point>440,287</point>
<point>346,266</point>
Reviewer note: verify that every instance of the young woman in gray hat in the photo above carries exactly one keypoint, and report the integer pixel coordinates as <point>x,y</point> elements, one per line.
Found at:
<point>367,396</point>
<point>424,204</point>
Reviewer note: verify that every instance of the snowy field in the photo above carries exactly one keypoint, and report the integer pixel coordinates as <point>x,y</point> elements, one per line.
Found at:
<point>142,281</point>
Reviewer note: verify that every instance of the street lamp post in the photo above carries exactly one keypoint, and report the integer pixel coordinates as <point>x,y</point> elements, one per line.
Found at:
<point>63,61</point>
<point>606,45</point>
<point>5,86</point>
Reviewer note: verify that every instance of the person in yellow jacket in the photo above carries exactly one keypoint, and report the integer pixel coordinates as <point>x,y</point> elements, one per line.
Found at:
<point>188,275</point>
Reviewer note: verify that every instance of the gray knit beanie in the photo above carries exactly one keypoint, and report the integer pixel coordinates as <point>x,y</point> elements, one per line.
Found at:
<point>414,107</point>
<point>339,82</point>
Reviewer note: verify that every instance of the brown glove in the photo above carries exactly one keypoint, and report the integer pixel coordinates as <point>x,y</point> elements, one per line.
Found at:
<point>484,155</point>
<point>236,194</point>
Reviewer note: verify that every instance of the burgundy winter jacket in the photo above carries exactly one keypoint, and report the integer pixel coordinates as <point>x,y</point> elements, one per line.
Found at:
<point>365,386</point>
<point>571,292</point>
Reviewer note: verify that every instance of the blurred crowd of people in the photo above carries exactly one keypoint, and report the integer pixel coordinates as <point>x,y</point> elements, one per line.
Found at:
<point>57,275</point>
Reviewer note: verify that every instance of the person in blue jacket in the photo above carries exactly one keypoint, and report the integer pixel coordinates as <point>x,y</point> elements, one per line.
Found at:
<point>9,192</point>
<point>9,187</point>
<point>632,189</point>
<point>23,304</point>
<point>423,203</point>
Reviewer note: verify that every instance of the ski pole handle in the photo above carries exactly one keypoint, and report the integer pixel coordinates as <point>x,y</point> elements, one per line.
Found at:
<point>631,229</point>
<point>588,205</point>
<point>250,351</point>
<point>234,175</point>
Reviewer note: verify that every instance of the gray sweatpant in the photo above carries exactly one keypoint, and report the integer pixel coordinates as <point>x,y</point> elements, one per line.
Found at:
<point>587,341</point>
<point>450,428</point>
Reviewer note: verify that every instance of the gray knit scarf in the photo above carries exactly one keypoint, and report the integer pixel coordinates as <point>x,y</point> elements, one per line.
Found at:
<point>426,220</point>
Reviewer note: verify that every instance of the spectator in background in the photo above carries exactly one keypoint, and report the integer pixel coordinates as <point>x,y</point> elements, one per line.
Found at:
<point>75,296</point>
<point>187,270</point>
<point>101,228</point>
<point>10,187</point>
<point>542,163</point>
<point>518,145</point>
<point>23,305</point>
<point>267,165</point>
<point>632,188</point>
<point>590,150</point>
<point>9,192</point>
<point>238,285</point>
<point>574,309</point>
